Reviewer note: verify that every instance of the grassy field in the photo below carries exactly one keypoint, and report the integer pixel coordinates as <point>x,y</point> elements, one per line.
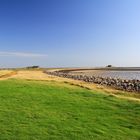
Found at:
<point>41,110</point>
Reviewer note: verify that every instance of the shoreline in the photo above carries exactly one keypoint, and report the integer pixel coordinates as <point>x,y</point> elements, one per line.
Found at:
<point>104,68</point>
<point>120,84</point>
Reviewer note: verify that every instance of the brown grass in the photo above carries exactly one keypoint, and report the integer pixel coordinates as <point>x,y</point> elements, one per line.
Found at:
<point>4,74</point>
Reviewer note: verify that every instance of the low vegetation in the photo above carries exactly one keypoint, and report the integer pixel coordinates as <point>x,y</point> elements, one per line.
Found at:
<point>4,72</point>
<point>56,110</point>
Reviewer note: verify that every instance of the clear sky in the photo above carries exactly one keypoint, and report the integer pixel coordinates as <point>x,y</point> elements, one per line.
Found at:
<point>69,33</point>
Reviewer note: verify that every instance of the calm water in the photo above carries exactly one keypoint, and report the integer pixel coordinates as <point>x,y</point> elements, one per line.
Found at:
<point>113,74</point>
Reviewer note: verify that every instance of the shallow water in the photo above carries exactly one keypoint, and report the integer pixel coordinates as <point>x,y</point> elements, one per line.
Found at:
<point>114,74</point>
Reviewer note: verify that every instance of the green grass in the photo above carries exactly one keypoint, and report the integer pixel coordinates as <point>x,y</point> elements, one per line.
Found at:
<point>35,110</point>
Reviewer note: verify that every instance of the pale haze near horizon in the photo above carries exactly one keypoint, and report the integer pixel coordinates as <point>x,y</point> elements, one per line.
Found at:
<point>72,33</point>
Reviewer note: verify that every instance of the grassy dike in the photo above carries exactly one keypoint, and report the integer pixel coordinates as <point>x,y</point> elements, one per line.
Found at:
<point>41,110</point>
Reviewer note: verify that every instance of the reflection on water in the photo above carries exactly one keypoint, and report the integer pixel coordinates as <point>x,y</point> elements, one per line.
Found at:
<point>113,74</point>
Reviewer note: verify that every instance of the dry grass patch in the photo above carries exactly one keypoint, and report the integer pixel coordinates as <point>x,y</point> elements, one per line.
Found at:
<point>5,74</point>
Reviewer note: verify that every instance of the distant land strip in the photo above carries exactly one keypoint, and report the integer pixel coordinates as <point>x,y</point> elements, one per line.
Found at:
<point>104,68</point>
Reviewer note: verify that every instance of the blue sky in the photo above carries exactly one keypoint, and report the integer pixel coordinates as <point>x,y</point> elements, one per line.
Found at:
<point>69,33</point>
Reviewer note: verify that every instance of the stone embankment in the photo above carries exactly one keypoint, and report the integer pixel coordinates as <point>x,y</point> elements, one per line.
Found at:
<point>126,85</point>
